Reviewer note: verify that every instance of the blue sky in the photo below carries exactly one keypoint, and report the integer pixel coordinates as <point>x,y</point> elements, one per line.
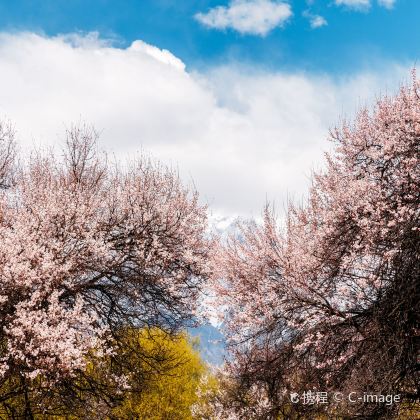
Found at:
<point>238,95</point>
<point>354,37</point>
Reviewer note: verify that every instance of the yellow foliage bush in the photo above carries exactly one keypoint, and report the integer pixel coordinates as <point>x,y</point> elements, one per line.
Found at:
<point>176,377</point>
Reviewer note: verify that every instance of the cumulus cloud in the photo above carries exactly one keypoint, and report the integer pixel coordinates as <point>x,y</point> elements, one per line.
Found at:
<point>256,17</point>
<point>241,137</point>
<point>388,4</point>
<point>316,21</point>
<point>354,4</point>
<point>364,5</point>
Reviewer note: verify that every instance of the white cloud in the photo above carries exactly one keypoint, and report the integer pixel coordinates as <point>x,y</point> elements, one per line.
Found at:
<point>256,17</point>
<point>354,4</point>
<point>364,5</point>
<point>164,56</point>
<point>242,137</point>
<point>316,21</point>
<point>388,4</point>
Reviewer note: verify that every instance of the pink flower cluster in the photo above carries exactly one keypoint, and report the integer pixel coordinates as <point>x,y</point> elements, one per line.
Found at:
<point>87,247</point>
<point>319,292</point>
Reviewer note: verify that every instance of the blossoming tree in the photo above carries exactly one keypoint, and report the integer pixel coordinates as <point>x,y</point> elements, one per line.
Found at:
<point>87,248</point>
<point>331,302</point>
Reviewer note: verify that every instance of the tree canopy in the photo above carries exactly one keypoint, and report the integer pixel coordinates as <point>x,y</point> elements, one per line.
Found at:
<point>331,303</point>
<point>87,249</point>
